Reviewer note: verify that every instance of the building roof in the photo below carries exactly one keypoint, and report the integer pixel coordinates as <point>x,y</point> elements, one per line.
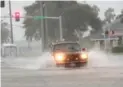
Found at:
<point>63,42</point>
<point>116,25</point>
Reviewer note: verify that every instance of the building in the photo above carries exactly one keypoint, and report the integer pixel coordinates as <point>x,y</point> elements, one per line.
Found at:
<point>111,40</point>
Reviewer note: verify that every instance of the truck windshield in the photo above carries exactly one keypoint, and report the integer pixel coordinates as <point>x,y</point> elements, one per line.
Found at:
<point>69,47</point>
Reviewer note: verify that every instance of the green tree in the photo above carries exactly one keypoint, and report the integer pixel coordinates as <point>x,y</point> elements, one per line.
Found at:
<point>120,16</point>
<point>79,17</point>
<point>109,15</point>
<point>75,16</point>
<point>96,9</point>
<point>54,8</point>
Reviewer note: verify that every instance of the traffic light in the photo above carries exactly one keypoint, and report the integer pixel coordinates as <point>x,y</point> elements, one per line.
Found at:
<point>2,4</point>
<point>112,32</point>
<point>109,32</point>
<point>17,16</point>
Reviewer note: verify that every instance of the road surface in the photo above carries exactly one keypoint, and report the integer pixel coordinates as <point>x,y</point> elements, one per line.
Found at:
<point>98,73</point>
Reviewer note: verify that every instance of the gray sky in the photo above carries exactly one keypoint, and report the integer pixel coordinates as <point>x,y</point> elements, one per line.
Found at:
<point>18,6</point>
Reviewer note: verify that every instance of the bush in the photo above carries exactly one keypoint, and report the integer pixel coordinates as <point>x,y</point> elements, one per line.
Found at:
<point>118,49</point>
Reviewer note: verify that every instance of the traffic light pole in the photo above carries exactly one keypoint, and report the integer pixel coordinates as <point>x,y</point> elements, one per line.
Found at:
<point>10,13</point>
<point>42,27</point>
<point>60,27</point>
<point>46,28</point>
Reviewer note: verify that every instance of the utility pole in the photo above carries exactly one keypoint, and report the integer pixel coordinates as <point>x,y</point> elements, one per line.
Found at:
<point>60,26</point>
<point>46,25</point>
<point>10,13</point>
<point>42,26</point>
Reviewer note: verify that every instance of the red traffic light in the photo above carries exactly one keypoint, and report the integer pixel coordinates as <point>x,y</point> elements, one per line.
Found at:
<point>17,13</point>
<point>109,32</point>
<point>17,16</point>
<point>112,32</point>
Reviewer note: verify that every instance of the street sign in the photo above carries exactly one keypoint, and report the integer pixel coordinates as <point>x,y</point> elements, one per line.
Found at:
<point>39,17</point>
<point>45,17</point>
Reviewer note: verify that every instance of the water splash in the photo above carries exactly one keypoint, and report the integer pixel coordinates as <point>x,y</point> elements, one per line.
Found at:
<point>97,58</point>
<point>43,61</point>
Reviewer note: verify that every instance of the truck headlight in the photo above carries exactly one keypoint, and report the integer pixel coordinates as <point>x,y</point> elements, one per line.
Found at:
<point>84,56</point>
<point>59,57</point>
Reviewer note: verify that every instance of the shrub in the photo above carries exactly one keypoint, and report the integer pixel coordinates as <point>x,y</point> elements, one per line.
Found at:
<point>118,49</point>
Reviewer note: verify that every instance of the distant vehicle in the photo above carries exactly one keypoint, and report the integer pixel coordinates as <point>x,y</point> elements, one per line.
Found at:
<point>69,54</point>
<point>8,50</point>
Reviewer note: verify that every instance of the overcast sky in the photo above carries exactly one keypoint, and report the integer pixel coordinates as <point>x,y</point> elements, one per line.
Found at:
<point>18,6</point>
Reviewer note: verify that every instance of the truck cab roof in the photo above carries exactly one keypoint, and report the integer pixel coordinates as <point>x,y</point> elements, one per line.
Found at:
<point>63,42</point>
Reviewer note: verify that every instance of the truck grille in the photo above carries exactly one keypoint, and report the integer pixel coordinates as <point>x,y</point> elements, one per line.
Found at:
<point>72,57</point>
